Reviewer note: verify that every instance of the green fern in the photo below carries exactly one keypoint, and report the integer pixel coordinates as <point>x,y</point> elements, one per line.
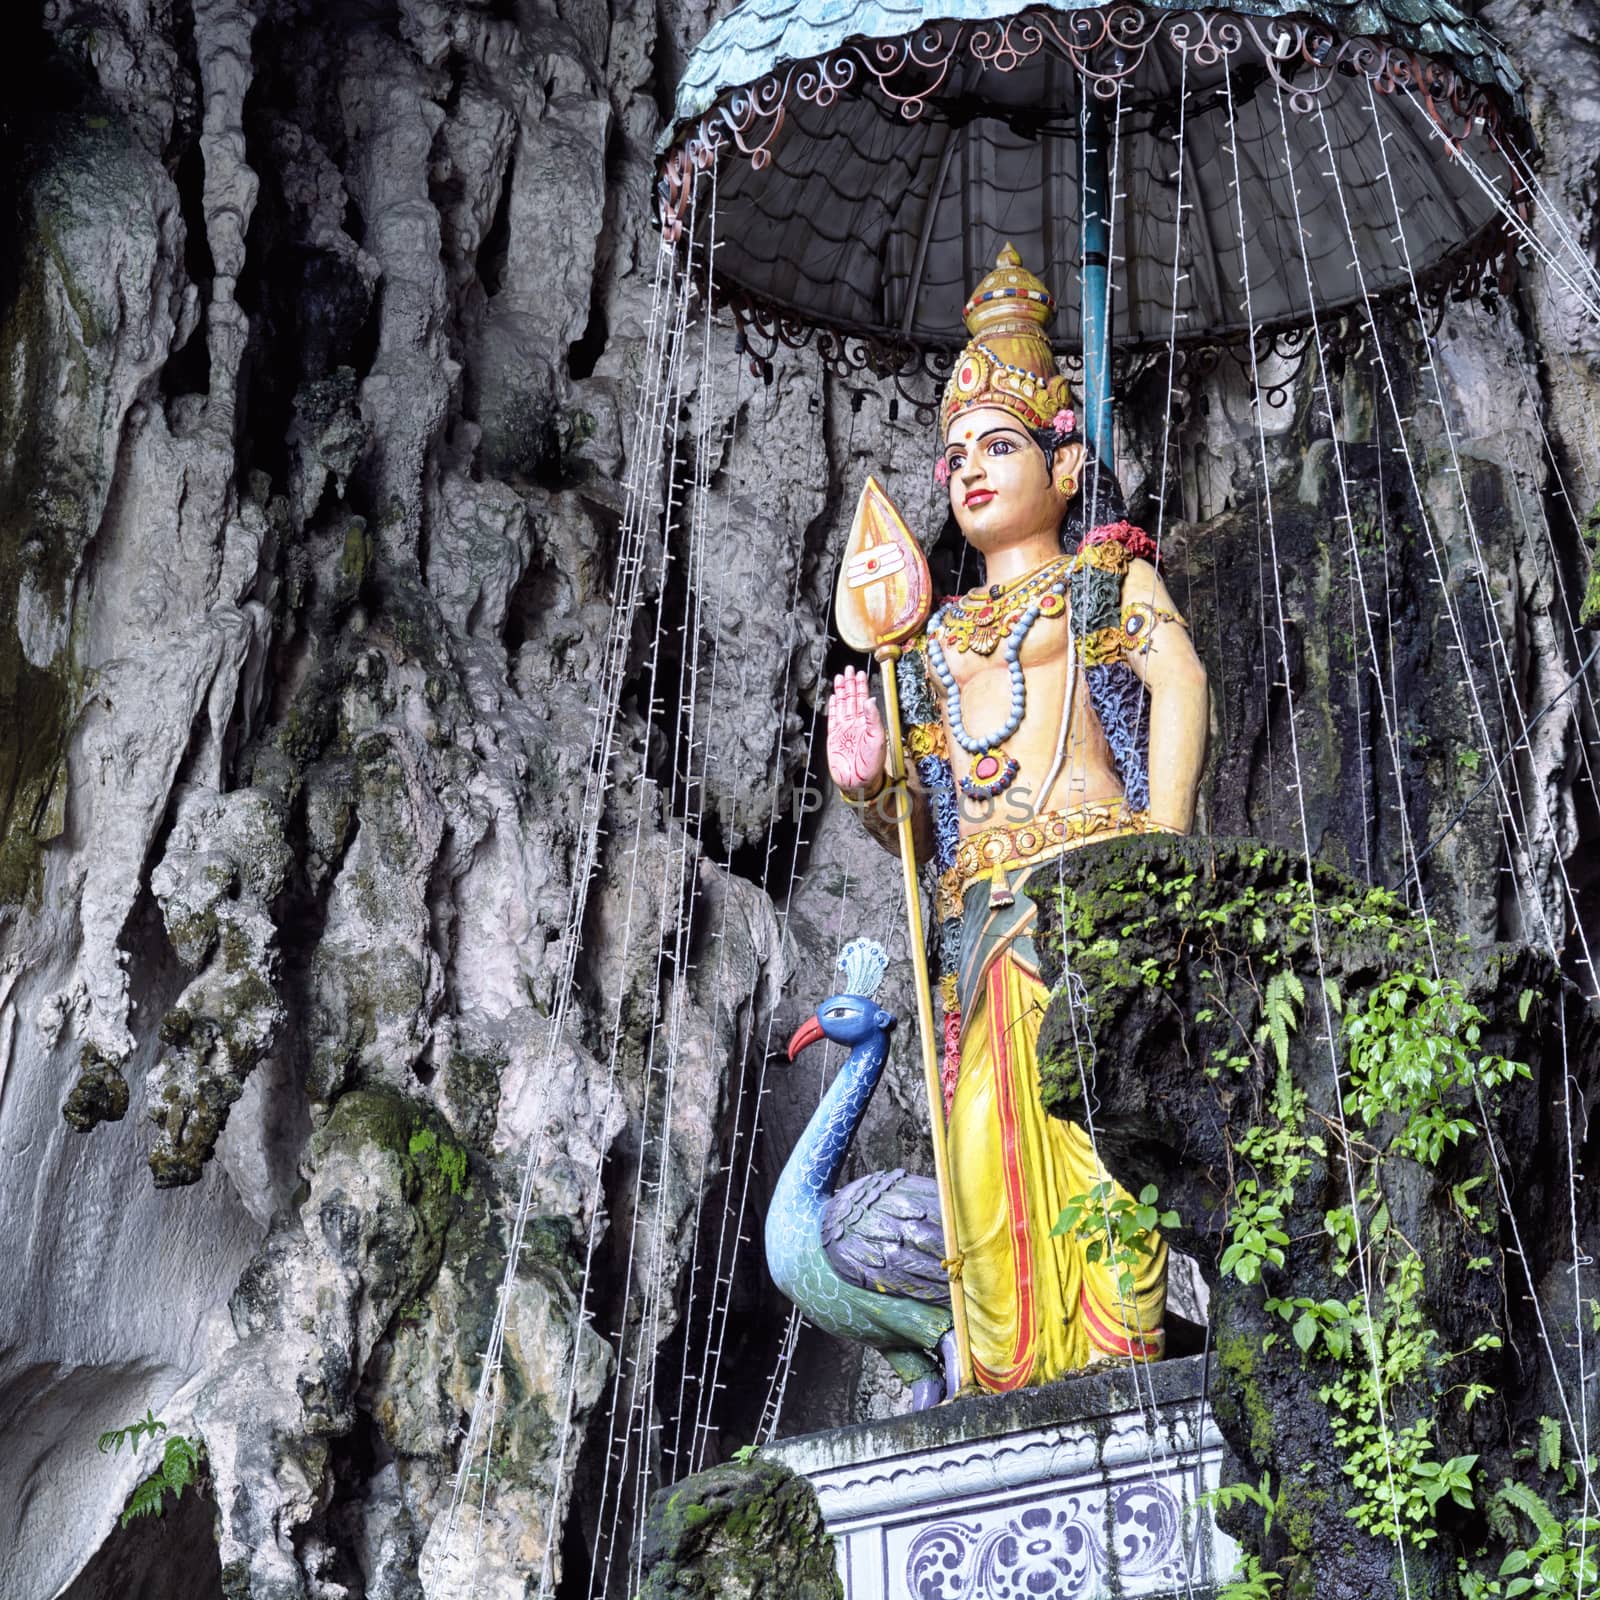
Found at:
<point>1285,992</point>
<point>113,1439</point>
<point>1549,1444</point>
<point>1520,1497</point>
<point>180,1467</point>
<point>1226,1496</point>
<point>180,1464</point>
<point>1252,1582</point>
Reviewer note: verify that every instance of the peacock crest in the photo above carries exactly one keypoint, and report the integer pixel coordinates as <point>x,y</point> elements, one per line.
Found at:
<point>863,963</point>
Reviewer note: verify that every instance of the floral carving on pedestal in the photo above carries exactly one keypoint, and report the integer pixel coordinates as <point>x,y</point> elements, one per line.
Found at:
<point>1058,1550</point>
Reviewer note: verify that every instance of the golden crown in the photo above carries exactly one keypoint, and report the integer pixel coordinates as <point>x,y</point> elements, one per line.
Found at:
<point>1008,361</point>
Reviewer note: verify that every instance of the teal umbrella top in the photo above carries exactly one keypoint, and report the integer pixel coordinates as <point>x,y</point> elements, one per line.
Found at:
<point>760,36</point>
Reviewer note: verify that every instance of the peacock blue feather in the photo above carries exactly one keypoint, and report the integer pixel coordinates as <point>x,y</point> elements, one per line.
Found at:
<point>916,697</point>
<point>939,783</point>
<point>1118,698</point>
<point>1119,702</point>
<point>1096,598</point>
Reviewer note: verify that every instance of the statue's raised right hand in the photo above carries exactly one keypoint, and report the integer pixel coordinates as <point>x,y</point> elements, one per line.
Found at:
<point>855,734</point>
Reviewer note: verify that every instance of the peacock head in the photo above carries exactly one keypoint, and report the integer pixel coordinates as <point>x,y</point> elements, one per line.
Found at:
<point>852,1015</point>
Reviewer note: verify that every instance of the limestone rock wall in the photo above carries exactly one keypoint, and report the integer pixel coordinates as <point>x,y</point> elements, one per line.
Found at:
<point>321,324</point>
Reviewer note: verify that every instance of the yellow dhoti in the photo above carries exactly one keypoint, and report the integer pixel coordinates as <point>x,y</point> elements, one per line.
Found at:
<point>1036,1306</point>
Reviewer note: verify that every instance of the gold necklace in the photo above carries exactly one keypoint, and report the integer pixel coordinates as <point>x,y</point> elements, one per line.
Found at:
<point>979,621</point>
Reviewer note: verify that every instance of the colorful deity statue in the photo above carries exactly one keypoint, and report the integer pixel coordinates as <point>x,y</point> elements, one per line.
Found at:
<point>1059,703</point>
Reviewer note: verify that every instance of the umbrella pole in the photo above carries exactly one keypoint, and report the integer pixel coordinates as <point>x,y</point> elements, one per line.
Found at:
<point>887,655</point>
<point>1095,200</point>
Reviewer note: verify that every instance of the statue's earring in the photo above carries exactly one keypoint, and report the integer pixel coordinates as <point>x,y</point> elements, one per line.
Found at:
<point>1067,484</point>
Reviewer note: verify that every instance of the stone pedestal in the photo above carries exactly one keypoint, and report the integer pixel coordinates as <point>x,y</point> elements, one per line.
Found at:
<point>1086,1490</point>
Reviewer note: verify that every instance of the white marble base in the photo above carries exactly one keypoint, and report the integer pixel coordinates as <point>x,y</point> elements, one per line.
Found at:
<point>1085,1490</point>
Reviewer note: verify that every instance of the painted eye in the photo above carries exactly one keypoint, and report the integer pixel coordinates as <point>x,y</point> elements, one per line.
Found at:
<point>1001,447</point>
<point>957,461</point>
<point>837,1011</point>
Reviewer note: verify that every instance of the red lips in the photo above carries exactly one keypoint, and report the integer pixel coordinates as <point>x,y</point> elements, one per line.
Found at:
<point>980,497</point>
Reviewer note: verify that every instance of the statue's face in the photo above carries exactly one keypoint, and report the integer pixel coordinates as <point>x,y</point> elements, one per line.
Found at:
<point>1001,487</point>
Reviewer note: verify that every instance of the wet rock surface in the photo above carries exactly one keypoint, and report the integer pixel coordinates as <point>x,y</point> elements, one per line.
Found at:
<point>1165,1039</point>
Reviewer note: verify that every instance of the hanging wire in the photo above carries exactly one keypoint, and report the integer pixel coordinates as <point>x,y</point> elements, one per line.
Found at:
<point>1558,578</point>
<point>776,809</point>
<point>727,1246</point>
<point>642,502</point>
<point>1533,722</point>
<point>718,940</point>
<point>778,1382</point>
<point>1496,639</point>
<point>1388,704</point>
<point>1523,170</point>
<point>1491,625</point>
<point>647,784</point>
<point>1586,293</point>
<point>659,355</point>
<point>684,884</point>
<point>1298,789</point>
<point>1521,742</point>
<point>1502,1186</point>
<point>1078,1010</point>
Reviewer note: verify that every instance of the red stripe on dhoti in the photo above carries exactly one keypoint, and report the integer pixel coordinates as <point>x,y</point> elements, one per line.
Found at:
<point>1112,1343</point>
<point>1016,1193</point>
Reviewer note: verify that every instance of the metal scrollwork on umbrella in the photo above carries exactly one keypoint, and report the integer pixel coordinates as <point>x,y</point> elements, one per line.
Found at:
<point>877,152</point>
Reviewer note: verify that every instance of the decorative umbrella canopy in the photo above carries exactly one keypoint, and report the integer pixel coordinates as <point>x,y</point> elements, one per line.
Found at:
<point>892,146</point>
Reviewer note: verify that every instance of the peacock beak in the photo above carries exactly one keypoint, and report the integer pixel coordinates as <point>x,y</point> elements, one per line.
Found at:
<point>808,1033</point>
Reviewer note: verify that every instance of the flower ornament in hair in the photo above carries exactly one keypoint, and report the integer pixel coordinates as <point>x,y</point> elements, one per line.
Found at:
<point>1063,422</point>
<point>941,471</point>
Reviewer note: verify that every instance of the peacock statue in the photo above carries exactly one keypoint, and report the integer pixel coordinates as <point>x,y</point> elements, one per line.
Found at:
<point>864,1263</point>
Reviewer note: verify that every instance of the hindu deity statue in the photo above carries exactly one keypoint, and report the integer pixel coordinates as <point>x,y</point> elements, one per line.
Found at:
<point>1059,703</point>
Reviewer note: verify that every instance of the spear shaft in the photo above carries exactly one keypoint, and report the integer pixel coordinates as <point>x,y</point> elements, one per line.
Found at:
<point>887,655</point>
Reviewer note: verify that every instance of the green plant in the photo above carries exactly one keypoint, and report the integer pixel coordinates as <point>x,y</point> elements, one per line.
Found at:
<point>1392,1351</point>
<point>1279,1018</point>
<point>178,1469</point>
<point>1558,1563</point>
<point>1114,1226</point>
<point>1415,1074</point>
<point>1229,1495</point>
<point>1413,1050</point>
<point>1253,1582</point>
<point>113,1440</point>
<point>1281,1155</point>
<point>450,1159</point>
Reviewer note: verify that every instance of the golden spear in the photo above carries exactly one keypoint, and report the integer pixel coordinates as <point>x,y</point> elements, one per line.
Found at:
<point>884,596</point>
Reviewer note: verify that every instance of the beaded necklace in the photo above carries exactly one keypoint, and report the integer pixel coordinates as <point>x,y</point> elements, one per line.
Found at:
<point>999,615</point>
<point>980,621</point>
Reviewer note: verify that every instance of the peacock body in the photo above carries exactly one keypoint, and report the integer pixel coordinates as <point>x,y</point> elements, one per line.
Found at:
<point>862,1262</point>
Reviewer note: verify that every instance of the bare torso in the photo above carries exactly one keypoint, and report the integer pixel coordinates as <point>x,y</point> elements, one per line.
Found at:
<point>1085,772</point>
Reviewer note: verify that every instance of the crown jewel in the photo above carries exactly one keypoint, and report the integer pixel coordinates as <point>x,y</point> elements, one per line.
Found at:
<point>863,963</point>
<point>1008,362</point>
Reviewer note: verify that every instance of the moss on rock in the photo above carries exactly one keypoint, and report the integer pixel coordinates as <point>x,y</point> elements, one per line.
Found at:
<point>741,1531</point>
<point>99,1095</point>
<point>432,1160</point>
<point>1197,1027</point>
